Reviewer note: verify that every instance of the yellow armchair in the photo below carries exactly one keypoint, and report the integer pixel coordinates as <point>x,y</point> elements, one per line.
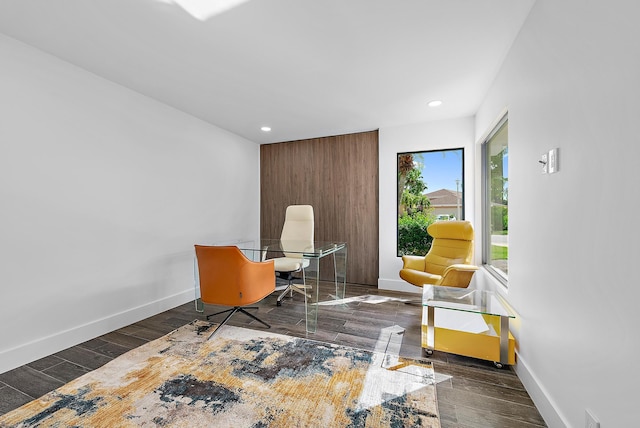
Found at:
<point>448,262</point>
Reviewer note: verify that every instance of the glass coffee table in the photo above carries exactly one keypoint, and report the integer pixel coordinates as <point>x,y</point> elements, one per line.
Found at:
<point>469,322</point>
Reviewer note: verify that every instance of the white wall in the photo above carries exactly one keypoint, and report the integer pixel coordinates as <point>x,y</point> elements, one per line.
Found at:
<point>438,135</point>
<point>103,193</point>
<point>571,80</point>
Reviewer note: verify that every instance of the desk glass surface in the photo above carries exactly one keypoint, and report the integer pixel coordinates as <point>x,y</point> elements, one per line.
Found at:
<point>319,249</point>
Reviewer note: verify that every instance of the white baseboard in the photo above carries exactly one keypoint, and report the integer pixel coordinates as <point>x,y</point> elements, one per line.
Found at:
<point>24,354</point>
<point>539,395</point>
<point>398,285</point>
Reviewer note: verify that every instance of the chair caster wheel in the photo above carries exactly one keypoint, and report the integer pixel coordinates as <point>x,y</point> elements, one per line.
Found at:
<point>427,352</point>
<point>498,365</point>
<point>278,303</point>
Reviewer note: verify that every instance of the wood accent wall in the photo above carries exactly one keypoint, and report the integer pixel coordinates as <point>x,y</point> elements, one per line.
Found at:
<point>338,176</point>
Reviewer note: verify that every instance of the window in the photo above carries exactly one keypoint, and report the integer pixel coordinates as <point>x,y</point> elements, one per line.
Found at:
<point>495,161</point>
<point>430,188</point>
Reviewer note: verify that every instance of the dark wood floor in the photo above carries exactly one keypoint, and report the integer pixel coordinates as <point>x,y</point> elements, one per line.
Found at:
<point>471,393</point>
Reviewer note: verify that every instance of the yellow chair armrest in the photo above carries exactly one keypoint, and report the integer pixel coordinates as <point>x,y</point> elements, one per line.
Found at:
<point>458,275</point>
<point>413,262</point>
<point>461,267</point>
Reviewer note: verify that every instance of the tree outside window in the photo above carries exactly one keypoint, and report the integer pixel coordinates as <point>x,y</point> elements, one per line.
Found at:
<point>430,188</point>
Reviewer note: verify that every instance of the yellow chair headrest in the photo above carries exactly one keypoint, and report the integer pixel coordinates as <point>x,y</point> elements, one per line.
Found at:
<point>453,229</point>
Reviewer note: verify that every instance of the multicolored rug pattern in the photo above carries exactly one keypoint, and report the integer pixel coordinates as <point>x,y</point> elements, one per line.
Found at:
<point>241,378</point>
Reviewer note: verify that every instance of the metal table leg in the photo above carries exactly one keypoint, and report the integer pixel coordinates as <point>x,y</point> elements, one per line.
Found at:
<point>504,340</point>
<point>431,330</point>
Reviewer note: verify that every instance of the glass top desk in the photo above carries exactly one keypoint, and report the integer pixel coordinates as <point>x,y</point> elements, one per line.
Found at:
<point>486,336</point>
<point>271,248</point>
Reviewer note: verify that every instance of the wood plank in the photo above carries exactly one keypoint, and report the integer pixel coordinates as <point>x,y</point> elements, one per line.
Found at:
<point>338,176</point>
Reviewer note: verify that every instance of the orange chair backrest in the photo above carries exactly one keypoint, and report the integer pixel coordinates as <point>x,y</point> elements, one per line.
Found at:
<point>228,277</point>
<point>452,244</point>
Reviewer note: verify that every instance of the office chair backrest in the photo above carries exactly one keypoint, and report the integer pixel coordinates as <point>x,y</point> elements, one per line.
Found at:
<point>452,244</point>
<point>229,278</point>
<point>297,231</point>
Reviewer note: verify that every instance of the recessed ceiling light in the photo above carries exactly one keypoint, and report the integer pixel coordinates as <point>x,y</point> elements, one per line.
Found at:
<point>265,129</point>
<point>205,9</point>
<point>434,103</point>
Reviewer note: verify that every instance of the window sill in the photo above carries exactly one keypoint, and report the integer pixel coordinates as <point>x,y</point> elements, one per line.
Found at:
<point>495,280</point>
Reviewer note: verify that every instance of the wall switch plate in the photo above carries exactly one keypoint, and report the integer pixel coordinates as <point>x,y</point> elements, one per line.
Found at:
<point>545,163</point>
<point>590,421</point>
<point>553,161</point>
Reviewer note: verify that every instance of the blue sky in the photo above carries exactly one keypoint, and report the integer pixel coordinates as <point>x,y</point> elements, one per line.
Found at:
<point>440,169</point>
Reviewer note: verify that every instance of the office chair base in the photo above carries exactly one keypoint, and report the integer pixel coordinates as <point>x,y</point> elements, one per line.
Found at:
<point>298,288</point>
<point>232,312</point>
<point>291,287</point>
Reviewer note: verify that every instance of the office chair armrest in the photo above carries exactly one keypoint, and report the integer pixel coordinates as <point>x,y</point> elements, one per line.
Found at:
<point>458,275</point>
<point>413,262</point>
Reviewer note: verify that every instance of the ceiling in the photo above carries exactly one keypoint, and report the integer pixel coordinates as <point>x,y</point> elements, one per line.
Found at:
<point>305,68</point>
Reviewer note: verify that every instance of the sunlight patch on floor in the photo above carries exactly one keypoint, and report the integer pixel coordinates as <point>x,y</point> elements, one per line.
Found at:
<point>374,300</point>
<point>401,377</point>
<point>441,377</point>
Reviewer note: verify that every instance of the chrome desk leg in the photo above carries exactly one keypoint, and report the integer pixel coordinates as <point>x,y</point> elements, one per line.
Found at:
<point>504,340</point>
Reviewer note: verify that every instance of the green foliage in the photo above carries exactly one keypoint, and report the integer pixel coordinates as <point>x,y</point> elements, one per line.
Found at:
<point>414,183</point>
<point>499,183</point>
<point>413,209</point>
<point>499,252</point>
<point>414,203</point>
<point>412,199</point>
<point>413,238</point>
<point>499,218</point>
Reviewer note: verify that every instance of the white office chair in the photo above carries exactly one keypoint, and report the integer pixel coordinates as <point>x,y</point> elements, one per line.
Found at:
<point>297,236</point>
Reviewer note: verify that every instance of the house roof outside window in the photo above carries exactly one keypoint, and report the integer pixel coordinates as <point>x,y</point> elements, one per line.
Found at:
<point>445,201</point>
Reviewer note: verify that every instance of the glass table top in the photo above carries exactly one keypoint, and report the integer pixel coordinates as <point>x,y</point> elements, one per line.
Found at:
<point>466,300</point>
<point>317,249</point>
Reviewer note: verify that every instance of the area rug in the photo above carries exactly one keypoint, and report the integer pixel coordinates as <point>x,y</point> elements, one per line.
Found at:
<point>241,378</point>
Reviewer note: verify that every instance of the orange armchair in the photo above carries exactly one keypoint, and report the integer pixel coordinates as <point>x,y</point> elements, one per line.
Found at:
<point>229,278</point>
<point>448,262</point>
